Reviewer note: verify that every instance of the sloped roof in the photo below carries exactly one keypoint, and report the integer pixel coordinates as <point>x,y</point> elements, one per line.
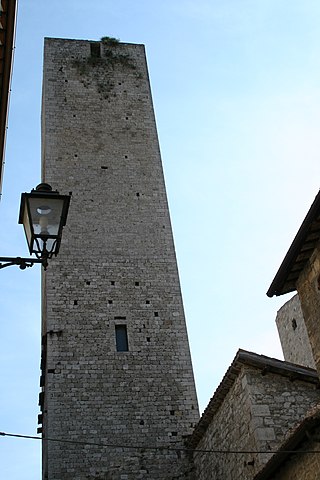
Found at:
<point>261,362</point>
<point>299,252</point>
<point>7,32</point>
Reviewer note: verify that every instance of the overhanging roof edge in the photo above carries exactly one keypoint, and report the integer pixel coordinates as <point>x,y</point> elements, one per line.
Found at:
<point>277,286</point>
<point>11,13</point>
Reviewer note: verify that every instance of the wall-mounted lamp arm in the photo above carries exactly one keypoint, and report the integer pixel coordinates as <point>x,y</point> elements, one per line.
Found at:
<point>22,263</point>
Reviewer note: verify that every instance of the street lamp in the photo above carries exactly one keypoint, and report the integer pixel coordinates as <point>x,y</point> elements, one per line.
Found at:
<point>43,213</point>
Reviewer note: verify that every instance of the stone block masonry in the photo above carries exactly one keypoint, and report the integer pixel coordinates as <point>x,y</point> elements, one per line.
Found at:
<point>293,334</point>
<point>257,403</point>
<point>115,279</point>
<point>308,287</point>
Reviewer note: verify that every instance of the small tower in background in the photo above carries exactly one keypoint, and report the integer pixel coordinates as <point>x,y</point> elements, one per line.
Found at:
<point>293,334</point>
<point>116,366</point>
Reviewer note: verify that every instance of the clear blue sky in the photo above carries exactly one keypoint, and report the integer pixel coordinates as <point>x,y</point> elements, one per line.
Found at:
<point>236,89</point>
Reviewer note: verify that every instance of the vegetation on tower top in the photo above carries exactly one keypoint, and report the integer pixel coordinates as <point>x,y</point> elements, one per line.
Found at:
<point>110,40</point>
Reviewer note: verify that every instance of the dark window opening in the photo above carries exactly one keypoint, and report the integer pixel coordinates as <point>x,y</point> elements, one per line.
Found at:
<point>112,282</point>
<point>136,284</point>
<point>95,50</point>
<point>294,323</point>
<point>121,338</point>
<point>110,302</point>
<point>156,314</point>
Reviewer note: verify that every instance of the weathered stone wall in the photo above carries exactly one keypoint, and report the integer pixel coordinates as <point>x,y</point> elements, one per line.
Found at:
<point>300,466</point>
<point>293,334</point>
<point>228,430</point>
<point>256,414</point>
<point>278,403</point>
<point>308,287</point>
<point>116,266</point>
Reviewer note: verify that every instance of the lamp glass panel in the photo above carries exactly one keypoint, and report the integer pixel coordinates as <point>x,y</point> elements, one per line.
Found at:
<point>49,244</point>
<point>26,224</point>
<point>46,215</point>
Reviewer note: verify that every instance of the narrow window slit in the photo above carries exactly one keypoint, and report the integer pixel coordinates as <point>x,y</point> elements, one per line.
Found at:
<point>121,338</point>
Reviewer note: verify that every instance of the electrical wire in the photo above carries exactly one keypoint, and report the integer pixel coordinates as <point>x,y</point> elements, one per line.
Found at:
<point>146,447</point>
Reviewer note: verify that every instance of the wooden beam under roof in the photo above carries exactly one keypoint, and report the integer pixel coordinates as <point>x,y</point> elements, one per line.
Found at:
<point>8,10</point>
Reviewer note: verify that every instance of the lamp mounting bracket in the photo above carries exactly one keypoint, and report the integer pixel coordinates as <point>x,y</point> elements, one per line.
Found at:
<point>21,262</point>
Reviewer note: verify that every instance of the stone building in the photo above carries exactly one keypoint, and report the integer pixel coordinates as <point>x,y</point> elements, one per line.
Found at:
<point>118,392</point>
<point>258,401</point>
<point>298,457</point>
<point>116,366</point>
<point>300,270</point>
<point>293,334</point>
<point>266,405</point>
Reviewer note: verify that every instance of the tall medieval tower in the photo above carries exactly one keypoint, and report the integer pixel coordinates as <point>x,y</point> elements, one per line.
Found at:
<point>116,369</point>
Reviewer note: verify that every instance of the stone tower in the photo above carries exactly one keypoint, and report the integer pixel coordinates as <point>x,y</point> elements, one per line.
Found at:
<point>293,334</point>
<point>116,368</point>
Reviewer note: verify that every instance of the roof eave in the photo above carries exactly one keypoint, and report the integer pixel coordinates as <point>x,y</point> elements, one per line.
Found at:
<point>11,9</point>
<point>280,284</point>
